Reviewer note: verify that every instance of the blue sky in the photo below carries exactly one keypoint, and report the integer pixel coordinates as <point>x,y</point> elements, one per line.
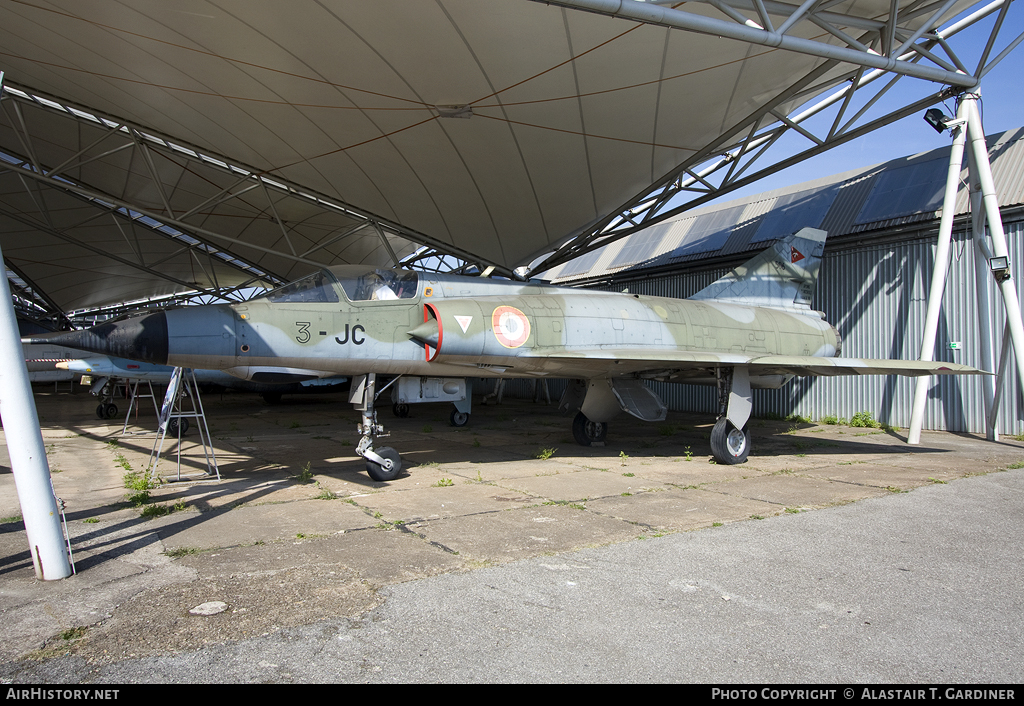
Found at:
<point>1002,106</point>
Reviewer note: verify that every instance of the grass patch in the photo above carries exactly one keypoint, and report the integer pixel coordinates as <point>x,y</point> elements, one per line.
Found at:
<point>182,551</point>
<point>444,483</point>
<point>155,510</point>
<point>305,475</point>
<point>567,503</point>
<point>865,420</point>
<point>545,454</point>
<point>73,633</point>
<point>139,483</point>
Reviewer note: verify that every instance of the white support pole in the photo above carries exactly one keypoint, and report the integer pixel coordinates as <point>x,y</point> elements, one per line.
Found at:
<point>982,275</point>
<point>938,285</point>
<point>993,411</point>
<point>25,447</point>
<point>1007,288</point>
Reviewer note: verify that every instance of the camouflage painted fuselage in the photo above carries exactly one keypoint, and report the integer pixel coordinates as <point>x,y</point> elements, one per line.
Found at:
<point>459,326</point>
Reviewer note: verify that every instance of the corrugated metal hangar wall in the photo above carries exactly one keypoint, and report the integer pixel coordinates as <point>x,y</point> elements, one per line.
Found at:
<point>875,295</point>
<point>873,286</point>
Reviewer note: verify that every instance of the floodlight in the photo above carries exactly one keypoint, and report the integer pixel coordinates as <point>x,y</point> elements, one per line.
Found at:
<point>1000,267</point>
<point>937,119</point>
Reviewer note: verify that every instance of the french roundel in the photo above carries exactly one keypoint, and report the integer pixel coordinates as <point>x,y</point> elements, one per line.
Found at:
<point>511,327</point>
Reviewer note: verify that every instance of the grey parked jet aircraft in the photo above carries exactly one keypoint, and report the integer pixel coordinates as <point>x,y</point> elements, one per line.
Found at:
<point>754,328</point>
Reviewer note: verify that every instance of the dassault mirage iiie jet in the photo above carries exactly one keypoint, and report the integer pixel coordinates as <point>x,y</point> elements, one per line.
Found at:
<point>754,328</point>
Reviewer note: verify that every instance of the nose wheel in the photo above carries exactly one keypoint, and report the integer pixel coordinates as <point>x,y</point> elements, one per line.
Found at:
<point>389,466</point>
<point>382,464</point>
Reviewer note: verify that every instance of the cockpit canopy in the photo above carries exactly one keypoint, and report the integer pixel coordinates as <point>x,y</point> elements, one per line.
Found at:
<point>359,284</point>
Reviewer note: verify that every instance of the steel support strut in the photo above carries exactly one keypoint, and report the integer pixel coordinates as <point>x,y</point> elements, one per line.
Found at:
<point>27,453</point>
<point>983,198</point>
<point>941,266</point>
<point>1007,288</point>
<point>668,17</point>
<point>728,162</point>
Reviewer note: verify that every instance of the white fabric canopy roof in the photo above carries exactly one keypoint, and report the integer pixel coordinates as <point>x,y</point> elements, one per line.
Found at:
<point>566,116</point>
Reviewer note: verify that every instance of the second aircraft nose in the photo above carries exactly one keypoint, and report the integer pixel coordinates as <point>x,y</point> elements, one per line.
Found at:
<point>137,338</point>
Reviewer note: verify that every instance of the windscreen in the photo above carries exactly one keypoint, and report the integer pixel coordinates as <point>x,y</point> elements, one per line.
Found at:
<point>317,288</point>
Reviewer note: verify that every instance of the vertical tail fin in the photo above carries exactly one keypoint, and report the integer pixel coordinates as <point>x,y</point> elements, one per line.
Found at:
<point>781,277</point>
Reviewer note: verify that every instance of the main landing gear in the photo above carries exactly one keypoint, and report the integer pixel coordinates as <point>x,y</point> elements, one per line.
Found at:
<point>730,437</point>
<point>105,389</point>
<point>588,433</point>
<point>106,410</point>
<point>382,464</point>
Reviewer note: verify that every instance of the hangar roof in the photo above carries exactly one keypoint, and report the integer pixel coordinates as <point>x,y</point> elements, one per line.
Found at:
<point>149,148</point>
<point>893,194</point>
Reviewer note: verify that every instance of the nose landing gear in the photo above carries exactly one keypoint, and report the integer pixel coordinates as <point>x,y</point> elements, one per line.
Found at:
<point>382,464</point>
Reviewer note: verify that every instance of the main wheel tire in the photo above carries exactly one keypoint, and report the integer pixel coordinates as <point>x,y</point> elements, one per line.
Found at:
<point>172,427</point>
<point>99,411</point>
<point>729,445</point>
<point>109,410</point>
<point>587,432</point>
<point>400,410</point>
<point>391,468</point>
<point>459,419</point>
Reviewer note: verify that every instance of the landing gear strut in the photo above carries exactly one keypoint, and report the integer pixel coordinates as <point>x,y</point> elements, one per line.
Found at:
<point>382,464</point>
<point>105,388</point>
<point>730,437</point>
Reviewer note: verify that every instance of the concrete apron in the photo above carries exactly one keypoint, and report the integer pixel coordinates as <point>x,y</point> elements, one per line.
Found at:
<point>297,532</point>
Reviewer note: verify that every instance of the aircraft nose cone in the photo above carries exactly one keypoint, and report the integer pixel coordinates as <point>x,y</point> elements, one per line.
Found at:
<point>141,338</point>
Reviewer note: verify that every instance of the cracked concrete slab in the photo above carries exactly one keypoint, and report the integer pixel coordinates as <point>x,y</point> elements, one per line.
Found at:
<point>271,543</point>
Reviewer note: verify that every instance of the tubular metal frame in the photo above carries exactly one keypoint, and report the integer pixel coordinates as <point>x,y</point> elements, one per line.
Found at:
<point>725,164</point>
